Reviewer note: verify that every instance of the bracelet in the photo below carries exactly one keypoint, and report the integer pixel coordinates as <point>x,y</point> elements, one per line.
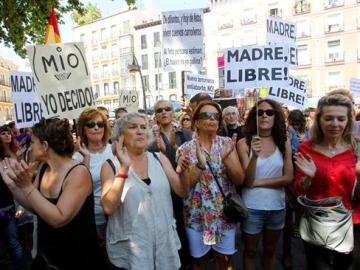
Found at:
<point>29,192</point>
<point>200,168</point>
<point>121,175</point>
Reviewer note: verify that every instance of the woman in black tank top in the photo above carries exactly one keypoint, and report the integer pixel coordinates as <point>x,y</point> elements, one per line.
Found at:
<point>61,196</point>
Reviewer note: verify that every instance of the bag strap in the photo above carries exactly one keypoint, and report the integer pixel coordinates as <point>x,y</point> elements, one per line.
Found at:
<point>112,165</point>
<point>216,180</point>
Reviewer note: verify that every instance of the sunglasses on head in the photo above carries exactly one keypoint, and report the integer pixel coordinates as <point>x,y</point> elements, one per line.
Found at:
<point>208,115</point>
<point>268,112</point>
<point>91,124</point>
<point>166,109</point>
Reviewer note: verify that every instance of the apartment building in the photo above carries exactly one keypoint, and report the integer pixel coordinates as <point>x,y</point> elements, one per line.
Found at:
<point>109,47</point>
<point>328,33</point>
<point>6,108</point>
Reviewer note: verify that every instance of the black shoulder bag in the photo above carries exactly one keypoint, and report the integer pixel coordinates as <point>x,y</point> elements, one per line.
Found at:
<point>234,208</point>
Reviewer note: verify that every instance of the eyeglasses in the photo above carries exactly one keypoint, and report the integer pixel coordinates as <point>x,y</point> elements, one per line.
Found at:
<point>92,124</point>
<point>268,112</point>
<point>160,110</point>
<point>208,115</point>
<point>186,119</point>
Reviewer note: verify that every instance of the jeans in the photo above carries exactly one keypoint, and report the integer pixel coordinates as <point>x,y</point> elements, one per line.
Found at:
<point>9,236</point>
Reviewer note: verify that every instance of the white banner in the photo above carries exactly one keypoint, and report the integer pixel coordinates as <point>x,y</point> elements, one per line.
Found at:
<point>282,32</point>
<point>62,78</point>
<point>183,34</point>
<point>25,99</point>
<point>256,66</point>
<point>195,83</point>
<point>355,87</point>
<point>129,100</point>
<point>293,95</point>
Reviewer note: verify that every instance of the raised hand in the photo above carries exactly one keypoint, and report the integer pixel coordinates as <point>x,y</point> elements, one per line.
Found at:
<point>21,172</point>
<point>305,164</point>
<point>200,154</point>
<point>228,147</point>
<point>183,164</point>
<point>5,171</point>
<point>160,142</point>
<point>256,145</point>
<point>172,137</point>
<point>82,148</point>
<point>121,152</point>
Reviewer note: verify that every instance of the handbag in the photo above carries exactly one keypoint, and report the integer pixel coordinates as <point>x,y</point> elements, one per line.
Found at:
<point>327,223</point>
<point>234,208</point>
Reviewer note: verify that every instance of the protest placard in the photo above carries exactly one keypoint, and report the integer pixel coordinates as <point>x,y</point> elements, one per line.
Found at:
<point>25,99</point>
<point>183,35</point>
<point>282,32</point>
<point>256,66</point>
<point>129,100</point>
<point>195,83</point>
<point>355,87</point>
<point>62,78</point>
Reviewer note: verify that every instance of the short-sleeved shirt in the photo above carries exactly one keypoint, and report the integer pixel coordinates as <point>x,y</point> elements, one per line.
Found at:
<point>203,206</point>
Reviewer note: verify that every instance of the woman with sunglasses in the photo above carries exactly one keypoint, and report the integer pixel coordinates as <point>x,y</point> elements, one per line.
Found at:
<point>59,191</point>
<point>93,151</point>
<point>185,121</point>
<point>265,154</point>
<point>205,223</point>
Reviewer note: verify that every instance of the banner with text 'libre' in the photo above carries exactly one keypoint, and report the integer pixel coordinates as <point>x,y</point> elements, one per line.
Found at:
<point>62,78</point>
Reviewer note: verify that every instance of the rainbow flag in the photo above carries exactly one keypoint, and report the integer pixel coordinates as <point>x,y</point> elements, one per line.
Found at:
<point>52,33</point>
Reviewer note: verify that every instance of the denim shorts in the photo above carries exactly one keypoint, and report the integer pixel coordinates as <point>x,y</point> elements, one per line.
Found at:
<point>258,220</point>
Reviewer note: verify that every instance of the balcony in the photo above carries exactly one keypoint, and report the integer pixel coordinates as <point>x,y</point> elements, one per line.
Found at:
<point>5,99</point>
<point>301,8</point>
<point>333,28</point>
<point>303,34</point>
<point>333,3</point>
<point>225,26</point>
<point>249,20</point>
<point>334,58</point>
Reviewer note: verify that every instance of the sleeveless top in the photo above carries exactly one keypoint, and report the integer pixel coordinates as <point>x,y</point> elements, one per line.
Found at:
<point>261,198</point>
<point>141,233</point>
<point>73,246</point>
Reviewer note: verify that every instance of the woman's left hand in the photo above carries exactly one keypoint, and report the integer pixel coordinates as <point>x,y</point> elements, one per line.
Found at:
<point>122,153</point>
<point>228,147</point>
<point>21,173</point>
<point>183,164</point>
<point>82,148</point>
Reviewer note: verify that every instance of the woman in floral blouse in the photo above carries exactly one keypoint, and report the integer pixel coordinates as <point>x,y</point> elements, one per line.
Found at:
<point>205,223</point>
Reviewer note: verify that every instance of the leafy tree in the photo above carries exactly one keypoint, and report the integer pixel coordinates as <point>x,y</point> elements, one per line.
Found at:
<point>25,21</point>
<point>90,14</point>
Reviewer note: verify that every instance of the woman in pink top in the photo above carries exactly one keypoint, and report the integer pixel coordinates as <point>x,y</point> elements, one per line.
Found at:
<point>326,168</point>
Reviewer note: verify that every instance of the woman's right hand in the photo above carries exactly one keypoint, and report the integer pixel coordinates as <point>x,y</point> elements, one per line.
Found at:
<point>121,152</point>
<point>5,171</point>
<point>200,154</point>
<point>305,164</point>
<point>256,145</point>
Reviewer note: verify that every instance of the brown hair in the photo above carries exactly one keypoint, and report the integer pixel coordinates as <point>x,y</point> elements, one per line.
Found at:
<point>85,116</point>
<point>13,144</point>
<point>202,104</point>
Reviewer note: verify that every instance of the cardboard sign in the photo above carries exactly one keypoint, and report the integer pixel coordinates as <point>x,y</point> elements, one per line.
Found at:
<point>355,87</point>
<point>129,100</point>
<point>256,66</point>
<point>183,34</point>
<point>25,99</point>
<point>62,78</point>
<point>195,83</point>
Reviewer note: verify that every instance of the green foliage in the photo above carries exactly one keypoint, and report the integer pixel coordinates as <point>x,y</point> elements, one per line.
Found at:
<point>25,22</point>
<point>130,2</point>
<point>90,14</point>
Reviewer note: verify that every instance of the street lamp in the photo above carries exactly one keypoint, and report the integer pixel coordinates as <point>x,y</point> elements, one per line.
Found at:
<point>134,67</point>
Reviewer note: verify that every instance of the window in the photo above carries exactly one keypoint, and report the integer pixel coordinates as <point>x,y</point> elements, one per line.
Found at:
<point>157,39</point>
<point>158,81</point>
<point>104,53</point>
<point>116,102</point>
<point>146,82</point>
<point>126,27</point>
<point>159,97</point>
<point>106,89</point>
<point>157,59</point>
<point>225,22</point>
<point>103,34</point>
<point>82,37</point>
<point>106,72</point>
<point>115,69</point>
<point>114,50</point>
<point>107,103</point>
<point>144,61</point>
<point>99,103</point>
<point>116,87</point>
<point>275,12</point>
<point>249,37</point>
<point>148,101</point>
<point>97,72</point>
<point>333,3</point>
<point>334,51</point>
<point>303,54</point>
<point>302,6</point>
<point>302,28</point>
<point>143,42</point>
<point>334,23</point>
<point>94,38</point>
<point>172,80</point>
<point>173,97</point>
<point>249,16</point>
<point>97,91</point>
<point>113,31</point>
<point>95,55</point>
<point>225,41</point>
<point>334,80</point>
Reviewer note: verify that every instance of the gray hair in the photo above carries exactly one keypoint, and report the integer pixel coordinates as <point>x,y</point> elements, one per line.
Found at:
<point>229,109</point>
<point>163,100</point>
<point>120,123</point>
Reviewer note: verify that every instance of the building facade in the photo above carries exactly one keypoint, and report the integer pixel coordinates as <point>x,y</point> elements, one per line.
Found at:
<point>328,36</point>
<point>6,108</point>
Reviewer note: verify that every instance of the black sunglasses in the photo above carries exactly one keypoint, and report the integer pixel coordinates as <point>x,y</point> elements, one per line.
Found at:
<point>91,124</point>
<point>208,115</point>
<point>268,112</point>
<point>160,110</point>
<point>186,119</point>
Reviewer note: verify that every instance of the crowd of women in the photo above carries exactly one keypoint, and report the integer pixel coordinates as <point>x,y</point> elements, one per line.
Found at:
<point>107,200</point>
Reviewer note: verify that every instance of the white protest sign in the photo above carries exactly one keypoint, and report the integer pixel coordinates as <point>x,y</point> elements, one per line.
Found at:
<point>129,100</point>
<point>279,31</point>
<point>62,78</point>
<point>195,83</point>
<point>355,87</point>
<point>183,34</point>
<point>25,99</point>
<point>293,95</point>
<point>256,66</point>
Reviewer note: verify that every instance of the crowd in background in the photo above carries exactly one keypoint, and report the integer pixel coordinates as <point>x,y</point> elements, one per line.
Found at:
<point>142,192</point>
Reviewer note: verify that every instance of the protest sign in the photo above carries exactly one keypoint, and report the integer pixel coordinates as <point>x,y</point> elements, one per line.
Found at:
<point>293,95</point>
<point>195,83</point>
<point>256,66</point>
<point>355,87</point>
<point>282,32</point>
<point>62,78</point>
<point>183,34</point>
<point>25,99</point>
<point>129,100</point>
